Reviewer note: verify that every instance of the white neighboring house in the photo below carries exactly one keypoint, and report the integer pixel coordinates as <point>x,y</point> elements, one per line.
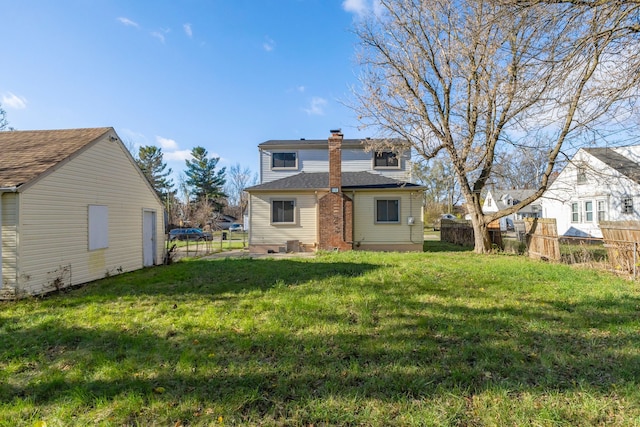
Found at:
<point>74,207</point>
<point>598,184</point>
<point>501,199</point>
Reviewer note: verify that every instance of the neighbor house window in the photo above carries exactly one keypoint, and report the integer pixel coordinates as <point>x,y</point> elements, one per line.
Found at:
<point>98,227</point>
<point>581,175</point>
<point>284,161</point>
<point>627,205</point>
<point>388,211</point>
<point>602,210</point>
<point>575,212</point>
<point>588,211</point>
<point>283,211</point>
<point>385,159</point>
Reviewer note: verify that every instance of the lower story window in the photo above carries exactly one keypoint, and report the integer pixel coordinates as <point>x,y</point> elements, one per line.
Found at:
<point>575,212</point>
<point>602,210</point>
<point>282,211</point>
<point>388,210</point>
<point>588,211</point>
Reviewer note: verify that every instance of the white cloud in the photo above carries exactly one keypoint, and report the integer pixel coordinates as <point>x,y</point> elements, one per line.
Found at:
<point>167,144</point>
<point>300,89</point>
<point>178,155</point>
<point>269,44</point>
<point>363,7</point>
<point>316,107</point>
<point>14,101</point>
<point>187,29</point>
<point>157,35</point>
<point>359,7</point>
<point>128,22</point>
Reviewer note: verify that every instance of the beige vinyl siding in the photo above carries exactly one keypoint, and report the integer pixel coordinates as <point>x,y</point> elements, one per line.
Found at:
<point>54,220</point>
<point>367,231</point>
<point>9,239</point>
<point>317,160</point>
<point>263,232</point>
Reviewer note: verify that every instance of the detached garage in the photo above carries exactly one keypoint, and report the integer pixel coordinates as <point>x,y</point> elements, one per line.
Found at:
<point>74,207</point>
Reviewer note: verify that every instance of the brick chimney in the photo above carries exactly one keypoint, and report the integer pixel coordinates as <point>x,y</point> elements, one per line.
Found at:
<point>335,160</point>
<point>335,220</point>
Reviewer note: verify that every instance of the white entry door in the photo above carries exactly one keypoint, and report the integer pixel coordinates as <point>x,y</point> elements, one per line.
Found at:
<point>148,238</point>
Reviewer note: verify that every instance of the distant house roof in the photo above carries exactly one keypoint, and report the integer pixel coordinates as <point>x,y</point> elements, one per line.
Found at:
<point>25,155</point>
<point>320,180</point>
<point>617,161</point>
<point>324,143</point>
<point>501,197</point>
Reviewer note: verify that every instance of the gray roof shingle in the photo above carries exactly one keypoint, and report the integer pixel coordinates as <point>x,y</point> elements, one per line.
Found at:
<point>617,161</point>
<point>320,180</point>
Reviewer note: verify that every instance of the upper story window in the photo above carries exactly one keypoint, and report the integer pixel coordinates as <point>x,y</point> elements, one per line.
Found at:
<point>386,159</point>
<point>627,205</point>
<point>284,160</point>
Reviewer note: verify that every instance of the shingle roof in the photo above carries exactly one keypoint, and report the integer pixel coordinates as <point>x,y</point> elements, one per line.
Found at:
<point>617,161</point>
<point>320,180</point>
<point>24,155</point>
<point>323,143</point>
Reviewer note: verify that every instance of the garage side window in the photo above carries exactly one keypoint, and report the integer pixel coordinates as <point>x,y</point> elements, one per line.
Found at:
<point>283,211</point>
<point>98,227</point>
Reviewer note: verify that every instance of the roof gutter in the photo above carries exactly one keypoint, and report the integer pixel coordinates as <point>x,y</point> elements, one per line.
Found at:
<point>8,189</point>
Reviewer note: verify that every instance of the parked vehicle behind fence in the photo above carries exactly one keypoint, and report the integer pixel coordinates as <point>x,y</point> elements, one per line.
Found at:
<point>189,234</point>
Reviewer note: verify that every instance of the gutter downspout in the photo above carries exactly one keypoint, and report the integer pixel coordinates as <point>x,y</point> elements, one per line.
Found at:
<point>2,191</point>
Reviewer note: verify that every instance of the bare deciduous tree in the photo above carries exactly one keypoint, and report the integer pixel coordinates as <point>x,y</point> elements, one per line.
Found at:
<point>475,78</point>
<point>237,180</point>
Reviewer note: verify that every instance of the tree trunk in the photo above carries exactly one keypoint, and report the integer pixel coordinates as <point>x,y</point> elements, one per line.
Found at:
<point>482,239</point>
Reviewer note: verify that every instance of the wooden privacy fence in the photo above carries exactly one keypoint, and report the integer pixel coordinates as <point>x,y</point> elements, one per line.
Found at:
<point>542,238</point>
<point>622,238</point>
<point>461,232</point>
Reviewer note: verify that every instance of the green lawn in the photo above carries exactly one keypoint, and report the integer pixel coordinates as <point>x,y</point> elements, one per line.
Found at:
<point>440,338</point>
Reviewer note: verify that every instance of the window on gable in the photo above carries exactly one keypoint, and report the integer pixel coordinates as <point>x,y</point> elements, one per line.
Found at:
<point>283,211</point>
<point>581,175</point>
<point>284,161</point>
<point>575,212</point>
<point>385,159</point>
<point>388,211</point>
<point>627,205</point>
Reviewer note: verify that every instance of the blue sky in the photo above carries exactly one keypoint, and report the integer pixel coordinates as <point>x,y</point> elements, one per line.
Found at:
<point>222,74</point>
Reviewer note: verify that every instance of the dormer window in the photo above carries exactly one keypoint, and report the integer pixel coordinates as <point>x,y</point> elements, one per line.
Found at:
<point>385,159</point>
<point>284,160</point>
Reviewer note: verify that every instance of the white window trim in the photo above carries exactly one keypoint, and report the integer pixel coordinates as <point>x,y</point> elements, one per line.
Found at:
<point>375,211</point>
<point>586,212</point>
<point>598,201</point>
<point>283,199</point>
<point>285,168</point>
<point>571,213</point>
